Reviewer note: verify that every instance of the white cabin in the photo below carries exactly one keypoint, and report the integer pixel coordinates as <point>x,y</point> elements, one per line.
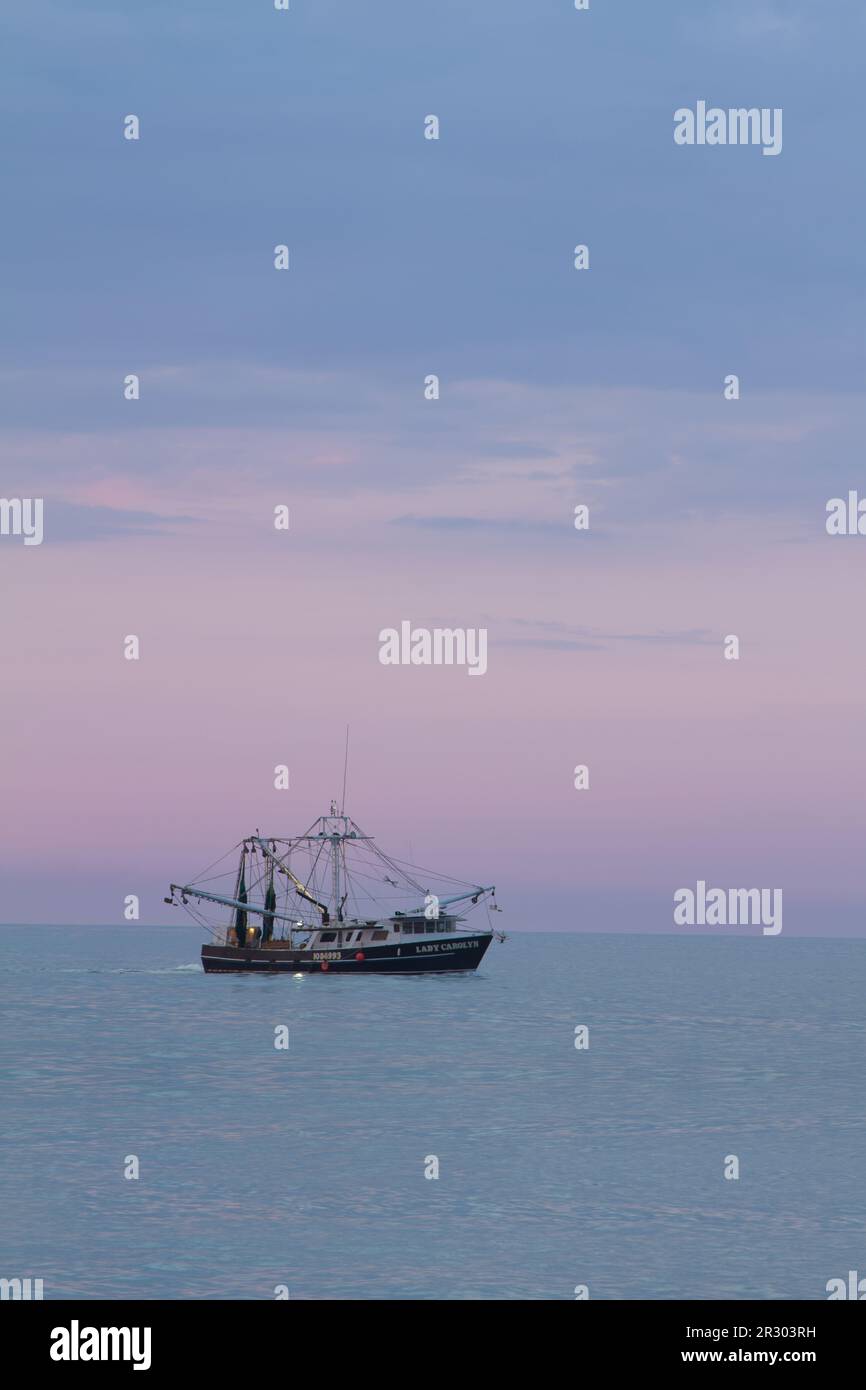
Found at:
<point>395,929</point>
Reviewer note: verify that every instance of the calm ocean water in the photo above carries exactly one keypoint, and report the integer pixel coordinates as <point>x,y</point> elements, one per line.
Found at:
<point>557,1167</point>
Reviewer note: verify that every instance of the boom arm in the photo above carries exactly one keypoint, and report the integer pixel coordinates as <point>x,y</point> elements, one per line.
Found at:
<point>474,893</point>
<point>300,889</point>
<point>229,902</point>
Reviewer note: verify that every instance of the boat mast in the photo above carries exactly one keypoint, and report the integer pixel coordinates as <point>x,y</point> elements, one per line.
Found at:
<point>336,840</point>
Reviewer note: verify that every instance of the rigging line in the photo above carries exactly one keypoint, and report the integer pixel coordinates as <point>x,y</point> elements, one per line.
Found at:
<point>396,867</point>
<point>260,872</point>
<point>361,895</point>
<point>355,872</point>
<point>310,879</point>
<point>377,897</point>
<point>404,864</point>
<point>201,921</point>
<point>315,865</point>
<point>207,870</point>
<point>342,849</point>
<point>350,890</point>
<point>447,878</point>
<point>381,858</point>
<point>256,876</point>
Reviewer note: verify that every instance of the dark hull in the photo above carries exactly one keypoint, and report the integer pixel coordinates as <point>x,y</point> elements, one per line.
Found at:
<point>463,953</point>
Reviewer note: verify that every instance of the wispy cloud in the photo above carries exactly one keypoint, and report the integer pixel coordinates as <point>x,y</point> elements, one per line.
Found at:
<point>72,521</point>
<point>510,526</point>
<point>640,459</point>
<point>557,636</point>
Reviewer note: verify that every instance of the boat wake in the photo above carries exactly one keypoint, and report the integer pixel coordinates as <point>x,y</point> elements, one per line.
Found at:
<point>195,967</point>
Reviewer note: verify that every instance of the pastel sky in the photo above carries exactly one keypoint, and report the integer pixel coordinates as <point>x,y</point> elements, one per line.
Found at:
<point>558,387</point>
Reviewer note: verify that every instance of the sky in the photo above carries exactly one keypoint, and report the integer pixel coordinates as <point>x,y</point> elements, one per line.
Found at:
<point>305,388</point>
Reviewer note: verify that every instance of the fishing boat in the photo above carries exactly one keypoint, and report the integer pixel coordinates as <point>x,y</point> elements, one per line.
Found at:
<point>325,902</point>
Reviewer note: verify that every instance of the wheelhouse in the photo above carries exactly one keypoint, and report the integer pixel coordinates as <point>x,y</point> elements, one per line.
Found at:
<point>395,929</point>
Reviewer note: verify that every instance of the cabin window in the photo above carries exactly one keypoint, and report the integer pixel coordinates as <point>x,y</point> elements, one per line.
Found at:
<point>379,936</point>
<point>328,936</point>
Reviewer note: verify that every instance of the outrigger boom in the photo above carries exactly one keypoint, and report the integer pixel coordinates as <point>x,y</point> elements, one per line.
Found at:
<point>474,895</point>
<point>189,892</point>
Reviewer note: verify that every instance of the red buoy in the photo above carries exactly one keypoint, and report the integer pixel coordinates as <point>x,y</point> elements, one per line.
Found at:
<point>324,965</point>
<point>359,955</point>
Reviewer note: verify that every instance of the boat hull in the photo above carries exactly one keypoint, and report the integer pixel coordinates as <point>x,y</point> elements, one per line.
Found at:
<point>421,958</point>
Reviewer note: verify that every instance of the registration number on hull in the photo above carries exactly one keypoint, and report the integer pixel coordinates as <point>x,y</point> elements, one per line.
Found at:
<point>326,955</point>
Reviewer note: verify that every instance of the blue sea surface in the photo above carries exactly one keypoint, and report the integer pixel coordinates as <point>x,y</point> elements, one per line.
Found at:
<point>558,1167</point>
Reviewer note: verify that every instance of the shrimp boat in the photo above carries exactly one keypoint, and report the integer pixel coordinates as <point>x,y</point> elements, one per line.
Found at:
<point>325,901</point>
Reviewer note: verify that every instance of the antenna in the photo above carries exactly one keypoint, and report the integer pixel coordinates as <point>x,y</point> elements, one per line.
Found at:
<point>345,773</point>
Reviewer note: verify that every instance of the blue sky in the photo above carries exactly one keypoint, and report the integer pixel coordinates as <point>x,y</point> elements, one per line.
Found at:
<point>453,256</point>
<point>305,127</point>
